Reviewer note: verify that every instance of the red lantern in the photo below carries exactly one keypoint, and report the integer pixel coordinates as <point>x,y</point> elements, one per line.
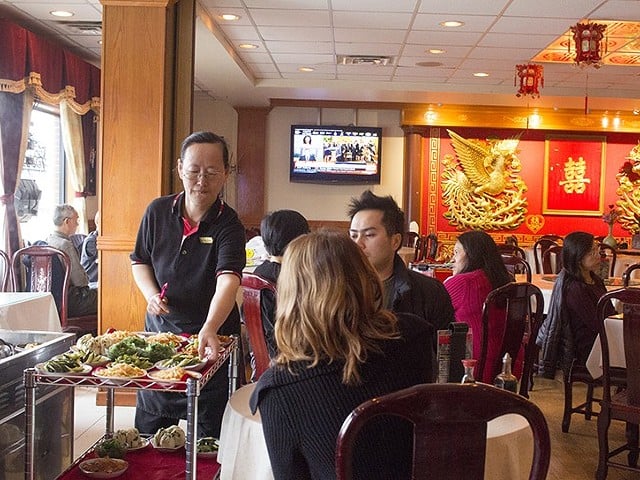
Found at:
<point>530,75</point>
<point>588,41</point>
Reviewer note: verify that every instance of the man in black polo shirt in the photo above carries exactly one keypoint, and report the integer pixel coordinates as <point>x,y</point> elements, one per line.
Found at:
<point>193,243</point>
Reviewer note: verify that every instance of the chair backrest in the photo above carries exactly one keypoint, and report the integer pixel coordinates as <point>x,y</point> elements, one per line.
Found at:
<point>426,248</point>
<point>610,253</point>
<point>450,428</point>
<point>506,249</point>
<point>552,260</point>
<point>516,265</point>
<point>514,311</point>
<point>6,271</point>
<point>77,240</point>
<point>47,269</point>
<point>410,239</point>
<point>630,298</point>
<point>541,245</point>
<point>626,276</point>
<point>252,289</point>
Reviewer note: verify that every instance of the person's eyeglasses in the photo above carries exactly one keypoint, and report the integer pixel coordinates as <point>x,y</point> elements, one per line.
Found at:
<point>194,174</point>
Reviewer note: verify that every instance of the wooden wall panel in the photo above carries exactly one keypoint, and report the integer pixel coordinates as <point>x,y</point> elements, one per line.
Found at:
<point>252,131</point>
<point>138,138</point>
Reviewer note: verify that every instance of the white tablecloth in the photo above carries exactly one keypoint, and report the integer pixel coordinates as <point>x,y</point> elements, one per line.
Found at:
<point>615,339</point>
<point>29,311</point>
<point>243,451</point>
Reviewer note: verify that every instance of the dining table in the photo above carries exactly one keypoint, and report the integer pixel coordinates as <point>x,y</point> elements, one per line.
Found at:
<point>615,339</point>
<point>35,311</point>
<point>243,451</point>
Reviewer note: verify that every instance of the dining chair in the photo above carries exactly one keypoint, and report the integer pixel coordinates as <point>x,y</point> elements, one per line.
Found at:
<point>624,404</point>
<point>541,245</point>
<point>514,312</point>
<point>626,276</point>
<point>6,272</point>
<point>410,239</point>
<point>608,252</point>
<point>552,260</point>
<point>506,249</point>
<point>449,429</point>
<point>516,265</point>
<point>77,239</point>
<point>253,287</point>
<point>43,268</point>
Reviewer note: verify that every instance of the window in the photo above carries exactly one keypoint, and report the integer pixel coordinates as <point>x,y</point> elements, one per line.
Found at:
<point>43,171</point>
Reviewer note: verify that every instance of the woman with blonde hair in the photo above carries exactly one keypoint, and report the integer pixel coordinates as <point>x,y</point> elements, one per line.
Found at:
<point>338,347</point>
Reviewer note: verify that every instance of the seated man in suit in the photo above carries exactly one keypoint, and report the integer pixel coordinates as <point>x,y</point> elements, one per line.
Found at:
<point>81,300</point>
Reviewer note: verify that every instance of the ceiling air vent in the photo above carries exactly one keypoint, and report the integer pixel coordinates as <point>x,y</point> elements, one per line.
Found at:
<point>364,60</point>
<point>82,28</point>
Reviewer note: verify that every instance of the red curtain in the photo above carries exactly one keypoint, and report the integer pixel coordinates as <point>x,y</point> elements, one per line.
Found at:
<point>24,52</point>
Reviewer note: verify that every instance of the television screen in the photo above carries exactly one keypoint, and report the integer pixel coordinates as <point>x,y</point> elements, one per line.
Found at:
<point>334,154</point>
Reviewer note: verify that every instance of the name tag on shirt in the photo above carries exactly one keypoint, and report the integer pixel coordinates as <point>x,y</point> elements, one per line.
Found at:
<point>206,240</point>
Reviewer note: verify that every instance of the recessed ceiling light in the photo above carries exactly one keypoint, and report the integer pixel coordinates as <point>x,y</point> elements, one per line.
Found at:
<point>248,46</point>
<point>436,51</point>
<point>229,17</point>
<point>452,23</point>
<point>480,74</point>
<point>306,69</point>
<point>61,13</point>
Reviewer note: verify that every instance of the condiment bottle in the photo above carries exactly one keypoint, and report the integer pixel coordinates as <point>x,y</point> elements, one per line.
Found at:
<point>469,364</point>
<point>506,380</point>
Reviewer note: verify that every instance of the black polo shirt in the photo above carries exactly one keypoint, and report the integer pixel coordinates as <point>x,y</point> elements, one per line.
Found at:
<point>191,264</point>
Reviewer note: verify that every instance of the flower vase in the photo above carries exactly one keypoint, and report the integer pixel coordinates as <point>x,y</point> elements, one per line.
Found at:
<point>610,239</point>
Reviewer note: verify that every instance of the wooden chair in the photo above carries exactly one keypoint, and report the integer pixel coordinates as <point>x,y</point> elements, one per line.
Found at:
<point>253,287</point>
<point>610,253</point>
<point>541,246</point>
<point>48,269</point>
<point>449,429</point>
<point>578,373</point>
<point>516,265</point>
<point>624,405</point>
<point>512,250</point>
<point>78,239</point>
<point>523,307</point>
<point>552,260</point>
<point>626,276</point>
<point>410,239</point>
<point>6,272</point>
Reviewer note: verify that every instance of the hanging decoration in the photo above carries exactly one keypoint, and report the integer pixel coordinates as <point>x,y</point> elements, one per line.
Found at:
<point>530,75</point>
<point>589,47</point>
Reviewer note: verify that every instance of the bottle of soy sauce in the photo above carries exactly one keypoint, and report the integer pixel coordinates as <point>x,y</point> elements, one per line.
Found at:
<point>506,380</point>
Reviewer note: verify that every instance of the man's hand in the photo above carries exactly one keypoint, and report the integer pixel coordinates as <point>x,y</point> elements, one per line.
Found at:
<point>208,343</point>
<point>157,305</point>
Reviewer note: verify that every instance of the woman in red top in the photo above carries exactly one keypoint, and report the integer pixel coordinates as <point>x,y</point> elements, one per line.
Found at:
<point>477,270</point>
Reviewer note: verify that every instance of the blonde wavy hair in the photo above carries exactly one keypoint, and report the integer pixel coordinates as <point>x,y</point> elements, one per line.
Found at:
<point>330,304</point>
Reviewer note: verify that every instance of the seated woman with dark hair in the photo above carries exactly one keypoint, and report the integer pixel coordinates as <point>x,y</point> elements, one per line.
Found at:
<point>338,346</point>
<point>477,270</point>
<point>570,328</point>
<point>277,230</point>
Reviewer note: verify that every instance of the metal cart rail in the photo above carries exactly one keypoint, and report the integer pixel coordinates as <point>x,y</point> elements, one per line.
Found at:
<point>191,387</point>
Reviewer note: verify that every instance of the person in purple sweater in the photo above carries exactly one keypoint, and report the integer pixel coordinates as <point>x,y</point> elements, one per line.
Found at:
<point>477,270</point>
<point>337,347</point>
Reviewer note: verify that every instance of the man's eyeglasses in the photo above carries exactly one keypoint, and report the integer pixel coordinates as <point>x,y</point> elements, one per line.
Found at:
<point>194,174</point>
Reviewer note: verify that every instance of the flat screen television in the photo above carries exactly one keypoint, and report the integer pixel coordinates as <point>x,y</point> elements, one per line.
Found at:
<point>335,154</point>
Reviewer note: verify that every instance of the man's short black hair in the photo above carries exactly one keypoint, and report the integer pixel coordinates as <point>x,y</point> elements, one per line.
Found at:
<point>279,228</point>
<point>392,215</point>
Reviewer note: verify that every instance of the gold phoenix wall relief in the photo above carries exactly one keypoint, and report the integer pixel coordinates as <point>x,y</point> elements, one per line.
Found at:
<point>482,188</point>
<point>629,191</point>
